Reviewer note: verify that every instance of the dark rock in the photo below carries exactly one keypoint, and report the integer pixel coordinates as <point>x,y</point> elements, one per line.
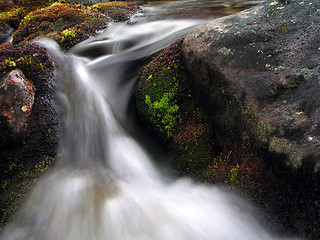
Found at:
<point>166,104</point>
<point>29,121</point>
<point>258,73</point>
<point>268,58</point>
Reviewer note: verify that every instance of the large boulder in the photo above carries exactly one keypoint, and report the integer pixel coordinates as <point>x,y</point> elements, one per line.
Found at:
<point>267,58</point>
<point>258,75</point>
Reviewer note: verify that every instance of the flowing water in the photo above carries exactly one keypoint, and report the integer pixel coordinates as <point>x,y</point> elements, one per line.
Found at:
<point>105,185</point>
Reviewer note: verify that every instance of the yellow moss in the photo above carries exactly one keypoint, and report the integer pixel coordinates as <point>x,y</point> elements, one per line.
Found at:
<point>69,33</point>
<point>234,172</point>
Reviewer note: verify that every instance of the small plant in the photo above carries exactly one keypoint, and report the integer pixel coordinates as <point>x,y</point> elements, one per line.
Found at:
<point>68,33</point>
<point>43,165</point>
<point>27,19</point>
<point>164,112</point>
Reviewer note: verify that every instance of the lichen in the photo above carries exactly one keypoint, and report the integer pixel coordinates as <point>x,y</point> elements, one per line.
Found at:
<point>307,73</point>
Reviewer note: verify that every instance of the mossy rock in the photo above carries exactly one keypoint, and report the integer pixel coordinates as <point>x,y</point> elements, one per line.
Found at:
<point>13,12</point>
<point>65,23</point>
<point>258,72</point>
<point>168,104</point>
<point>27,153</point>
<point>217,140</point>
<point>117,11</point>
<point>70,24</point>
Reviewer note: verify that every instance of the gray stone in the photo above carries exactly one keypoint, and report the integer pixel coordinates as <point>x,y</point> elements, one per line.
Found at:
<point>267,57</point>
<point>262,67</point>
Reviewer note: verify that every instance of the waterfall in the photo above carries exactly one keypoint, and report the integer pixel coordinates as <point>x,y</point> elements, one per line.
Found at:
<point>105,185</point>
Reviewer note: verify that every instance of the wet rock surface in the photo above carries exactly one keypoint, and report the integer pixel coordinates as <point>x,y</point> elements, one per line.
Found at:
<point>29,121</point>
<point>258,73</point>
<point>267,58</point>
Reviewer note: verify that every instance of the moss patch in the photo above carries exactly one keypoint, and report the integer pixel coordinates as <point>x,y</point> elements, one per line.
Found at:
<point>14,11</point>
<point>210,148</point>
<point>117,11</point>
<point>166,104</point>
<point>71,24</point>
<point>65,23</point>
<point>30,58</point>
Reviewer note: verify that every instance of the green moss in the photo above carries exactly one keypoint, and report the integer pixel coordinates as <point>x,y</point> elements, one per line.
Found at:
<point>166,104</point>
<point>69,35</point>
<point>291,149</point>
<point>165,110</point>
<point>234,174</point>
<point>162,108</point>
<point>161,89</point>
<point>226,153</point>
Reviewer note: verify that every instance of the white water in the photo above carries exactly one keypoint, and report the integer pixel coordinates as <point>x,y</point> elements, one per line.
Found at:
<point>105,185</point>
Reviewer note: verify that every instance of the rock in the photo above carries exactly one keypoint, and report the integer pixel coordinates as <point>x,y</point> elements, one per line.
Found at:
<point>30,122</point>
<point>258,75</point>
<point>70,24</point>
<point>117,11</point>
<point>16,100</point>
<point>268,59</point>
<point>12,12</point>
<point>167,106</point>
<point>65,23</point>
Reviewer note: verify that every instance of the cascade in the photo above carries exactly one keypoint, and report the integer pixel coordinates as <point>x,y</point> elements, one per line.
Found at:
<point>105,185</point>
